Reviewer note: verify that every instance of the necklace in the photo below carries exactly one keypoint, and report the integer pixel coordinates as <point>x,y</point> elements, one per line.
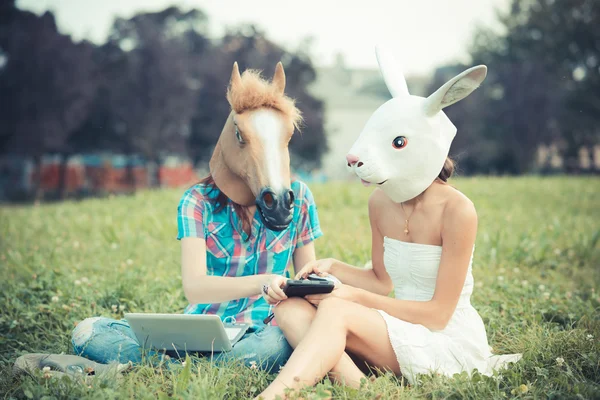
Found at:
<point>406,231</point>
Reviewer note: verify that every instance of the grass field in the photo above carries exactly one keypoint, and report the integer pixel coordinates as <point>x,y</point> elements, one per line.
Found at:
<point>537,273</point>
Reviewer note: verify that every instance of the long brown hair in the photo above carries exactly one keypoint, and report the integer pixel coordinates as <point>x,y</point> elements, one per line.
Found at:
<point>447,170</point>
<point>220,202</point>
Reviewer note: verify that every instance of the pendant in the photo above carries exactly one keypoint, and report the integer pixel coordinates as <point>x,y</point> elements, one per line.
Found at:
<point>406,227</point>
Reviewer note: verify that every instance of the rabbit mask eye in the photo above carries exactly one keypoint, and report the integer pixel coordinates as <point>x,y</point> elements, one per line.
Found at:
<point>399,142</point>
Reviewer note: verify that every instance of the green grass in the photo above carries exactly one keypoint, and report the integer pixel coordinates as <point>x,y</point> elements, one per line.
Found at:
<point>537,272</point>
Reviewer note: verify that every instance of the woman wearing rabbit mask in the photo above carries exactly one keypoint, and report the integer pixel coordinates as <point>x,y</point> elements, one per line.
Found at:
<point>423,235</point>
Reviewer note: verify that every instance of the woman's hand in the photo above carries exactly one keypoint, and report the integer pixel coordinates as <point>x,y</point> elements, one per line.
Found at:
<point>340,291</point>
<point>273,291</point>
<point>319,267</point>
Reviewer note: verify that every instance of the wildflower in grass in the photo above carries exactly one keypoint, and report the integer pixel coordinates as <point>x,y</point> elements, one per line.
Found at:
<point>121,307</point>
<point>66,307</point>
<point>114,246</point>
<point>77,282</point>
<point>520,390</point>
<point>546,295</point>
<point>500,278</point>
<point>114,307</point>
<point>557,251</point>
<point>516,270</point>
<point>85,280</point>
<point>524,283</point>
<point>589,337</point>
<point>541,287</point>
<point>253,365</point>
<point>76,244</point>
<point>46,369</point>
<point>523,388</point>
<point>55,299</point>
<point>560,361</point>
<point>129,261</point>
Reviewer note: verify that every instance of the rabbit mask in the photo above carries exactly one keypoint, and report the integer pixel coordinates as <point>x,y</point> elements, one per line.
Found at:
<point>404,144</point>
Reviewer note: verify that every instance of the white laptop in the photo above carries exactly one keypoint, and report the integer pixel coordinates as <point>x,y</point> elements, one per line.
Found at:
<point>185,332</point>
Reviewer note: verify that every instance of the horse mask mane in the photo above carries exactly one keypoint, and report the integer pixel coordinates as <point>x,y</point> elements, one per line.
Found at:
<point>404,144</point>
<point>251,163</point>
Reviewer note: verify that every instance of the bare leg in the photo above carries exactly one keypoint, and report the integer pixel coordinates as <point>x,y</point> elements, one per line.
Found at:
<point>338,323</point>
<point>294,316</point>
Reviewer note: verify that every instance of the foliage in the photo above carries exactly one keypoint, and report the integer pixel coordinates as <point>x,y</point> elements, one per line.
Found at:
<point>47,85</point>
<point>536,273</point>
<point>543,87</point>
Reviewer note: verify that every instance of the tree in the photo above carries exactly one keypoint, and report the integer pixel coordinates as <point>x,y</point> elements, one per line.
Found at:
<point>543,84</point>
<point>152,80</point>
<point>50,81</point>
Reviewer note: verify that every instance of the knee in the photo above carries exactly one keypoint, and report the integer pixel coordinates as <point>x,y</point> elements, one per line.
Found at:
<point>84,331</point>
<point>293,310</point>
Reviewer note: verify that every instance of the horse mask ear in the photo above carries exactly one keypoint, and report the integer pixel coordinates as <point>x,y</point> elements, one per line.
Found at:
<point>236,78</point>
<point>279,78</point>
<point>391,72</point>
<point>455,89</point>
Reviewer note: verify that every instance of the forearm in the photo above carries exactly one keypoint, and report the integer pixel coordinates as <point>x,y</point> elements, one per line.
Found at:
<point>218,289</point>
<point>363,278</point>
<point>430,314</point>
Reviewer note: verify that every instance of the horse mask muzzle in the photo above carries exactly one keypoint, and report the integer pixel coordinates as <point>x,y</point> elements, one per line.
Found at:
<point>275,209</point>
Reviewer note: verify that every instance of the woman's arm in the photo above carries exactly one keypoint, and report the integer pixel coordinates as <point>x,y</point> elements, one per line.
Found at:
<point>303,255</point>
<point>373,279</point>
<point>201,288</point>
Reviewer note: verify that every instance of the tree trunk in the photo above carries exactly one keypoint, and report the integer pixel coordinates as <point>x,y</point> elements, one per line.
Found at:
<point>129,172</point>
<point>38,192</point>
<point>62,176</point>
<point>157,180</point>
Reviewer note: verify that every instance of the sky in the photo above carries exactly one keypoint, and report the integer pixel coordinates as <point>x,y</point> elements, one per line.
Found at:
<point>424,34</point>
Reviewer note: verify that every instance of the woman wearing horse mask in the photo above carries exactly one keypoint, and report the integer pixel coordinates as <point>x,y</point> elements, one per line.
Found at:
<point>240,229</point>
<point>423,235</point>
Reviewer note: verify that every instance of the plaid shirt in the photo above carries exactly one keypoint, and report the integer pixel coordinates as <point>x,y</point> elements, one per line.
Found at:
<point>231,252</point>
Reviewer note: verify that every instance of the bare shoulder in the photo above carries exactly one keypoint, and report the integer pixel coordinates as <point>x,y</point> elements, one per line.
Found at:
<point>459,209</point>
<point>377,200</point>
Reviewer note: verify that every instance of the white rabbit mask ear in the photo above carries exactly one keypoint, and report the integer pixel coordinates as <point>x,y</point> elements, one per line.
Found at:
<point>391,72</point>
<point>455,89</point>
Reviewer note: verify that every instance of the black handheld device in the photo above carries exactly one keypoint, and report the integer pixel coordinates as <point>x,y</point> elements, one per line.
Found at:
<point>301,288</point>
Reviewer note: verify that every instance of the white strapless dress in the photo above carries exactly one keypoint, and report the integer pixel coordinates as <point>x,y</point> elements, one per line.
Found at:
<point>461,346</point>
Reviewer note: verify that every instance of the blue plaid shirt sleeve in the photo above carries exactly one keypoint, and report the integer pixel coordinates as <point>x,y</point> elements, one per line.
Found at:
<point>309,227</point>
<point>190,215</point>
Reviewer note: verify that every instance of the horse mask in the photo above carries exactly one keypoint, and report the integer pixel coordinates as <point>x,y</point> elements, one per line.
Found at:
<point>251,161</point>
<point>404,144</point>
